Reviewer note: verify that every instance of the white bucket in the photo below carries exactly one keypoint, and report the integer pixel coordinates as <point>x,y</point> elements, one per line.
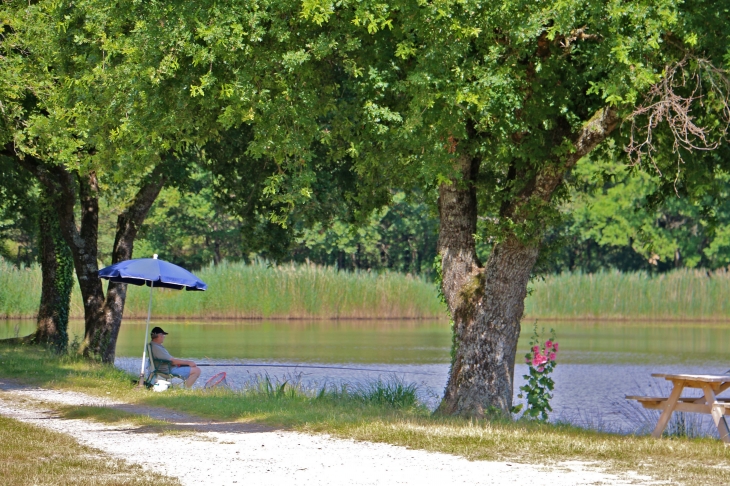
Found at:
<point>161,385</point>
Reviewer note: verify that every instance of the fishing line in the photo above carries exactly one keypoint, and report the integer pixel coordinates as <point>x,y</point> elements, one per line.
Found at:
<point>314,367</point>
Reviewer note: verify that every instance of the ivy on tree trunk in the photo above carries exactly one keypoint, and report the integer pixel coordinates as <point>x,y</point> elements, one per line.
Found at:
<point>58,272</point>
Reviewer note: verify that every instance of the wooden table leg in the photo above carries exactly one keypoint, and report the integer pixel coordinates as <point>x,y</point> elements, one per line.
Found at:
<point>718,413</point>
<point>722,387</point>
<point>667,413</point>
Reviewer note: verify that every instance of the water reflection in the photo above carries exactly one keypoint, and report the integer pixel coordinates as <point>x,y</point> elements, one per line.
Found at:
<point>417,342</point>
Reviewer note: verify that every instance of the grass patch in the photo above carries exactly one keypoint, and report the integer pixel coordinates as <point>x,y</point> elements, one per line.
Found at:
<point>20,290</point>
<point>33,455</point>
<point>697,461</point>
<point>287,404</point>
<point>387,412</point>
<point>38,366</point>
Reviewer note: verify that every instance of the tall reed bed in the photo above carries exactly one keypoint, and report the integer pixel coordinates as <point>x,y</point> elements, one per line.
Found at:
<point>20,290</point>
<point>237,290</point>
<point>676,295</point>
<point>258,290</point>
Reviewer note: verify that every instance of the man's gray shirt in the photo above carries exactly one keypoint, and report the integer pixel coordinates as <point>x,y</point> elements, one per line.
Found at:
<point>160,353</point>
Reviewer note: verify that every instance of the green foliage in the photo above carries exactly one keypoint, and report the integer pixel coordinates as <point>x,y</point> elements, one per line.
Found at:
<point>19,206</point>
<point>620,217</point>
<point>188,227</point>
<point>401,237</point>
<point>372,90</point>
<point>363,98</point>
<point>541,362</point>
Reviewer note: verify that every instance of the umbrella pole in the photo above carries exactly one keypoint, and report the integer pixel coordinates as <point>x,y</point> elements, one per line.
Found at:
<point>146,331</point>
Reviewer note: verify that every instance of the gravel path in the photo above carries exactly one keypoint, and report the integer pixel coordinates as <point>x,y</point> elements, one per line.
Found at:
<point>220,453</point>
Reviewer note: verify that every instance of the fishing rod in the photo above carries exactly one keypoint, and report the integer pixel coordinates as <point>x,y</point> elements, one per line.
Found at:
<point>314,367</point>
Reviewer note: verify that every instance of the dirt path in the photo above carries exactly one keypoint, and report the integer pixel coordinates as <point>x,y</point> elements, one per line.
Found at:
<point>224,453</point>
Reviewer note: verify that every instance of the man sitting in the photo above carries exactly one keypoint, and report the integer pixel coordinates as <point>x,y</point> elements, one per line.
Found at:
<point>183,368</point>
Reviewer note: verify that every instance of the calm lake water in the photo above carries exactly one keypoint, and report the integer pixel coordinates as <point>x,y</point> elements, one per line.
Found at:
<point>598,364</point>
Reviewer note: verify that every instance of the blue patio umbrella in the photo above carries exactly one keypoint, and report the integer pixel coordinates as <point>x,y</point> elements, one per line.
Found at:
<point>153,273</point>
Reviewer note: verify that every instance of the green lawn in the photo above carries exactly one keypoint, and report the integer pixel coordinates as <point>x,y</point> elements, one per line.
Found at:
<point>375,416</point>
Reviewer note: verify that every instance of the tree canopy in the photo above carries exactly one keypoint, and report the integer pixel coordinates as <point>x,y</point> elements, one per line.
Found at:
<point>301,109</point>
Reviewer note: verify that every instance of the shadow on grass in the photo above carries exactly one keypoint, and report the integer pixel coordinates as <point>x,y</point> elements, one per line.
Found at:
<point>37,365</point>
<point>150,420</point>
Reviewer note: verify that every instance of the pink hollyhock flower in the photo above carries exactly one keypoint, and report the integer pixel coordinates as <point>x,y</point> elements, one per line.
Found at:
<point>536,349</point>
<point>548,344</point>
<point>552,356</point>
<point>555,346</point>
<point>541,369</point>
<point>539,360</point>
<point>527,360</point>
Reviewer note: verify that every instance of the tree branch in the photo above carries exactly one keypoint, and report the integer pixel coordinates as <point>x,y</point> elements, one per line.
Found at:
<point>671,101</point>
<point>544,183</point>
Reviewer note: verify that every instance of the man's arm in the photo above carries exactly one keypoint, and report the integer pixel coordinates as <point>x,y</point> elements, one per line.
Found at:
<point>159,352</point>
<point>183,362</point>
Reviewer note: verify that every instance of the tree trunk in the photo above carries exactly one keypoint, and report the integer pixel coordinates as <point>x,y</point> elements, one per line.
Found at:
<point>102,315</point>
<point>103,337</point>
<point>487,304</point>
<point>57,271</point>
<point>217,257</point>
<point>83,241</point>
<point>486,330</point>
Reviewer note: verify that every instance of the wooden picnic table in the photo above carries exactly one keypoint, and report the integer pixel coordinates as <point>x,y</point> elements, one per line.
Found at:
<point>709,403</point>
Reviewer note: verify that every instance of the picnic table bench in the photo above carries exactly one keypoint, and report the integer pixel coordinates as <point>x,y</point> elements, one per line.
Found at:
<point>709,403</point>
